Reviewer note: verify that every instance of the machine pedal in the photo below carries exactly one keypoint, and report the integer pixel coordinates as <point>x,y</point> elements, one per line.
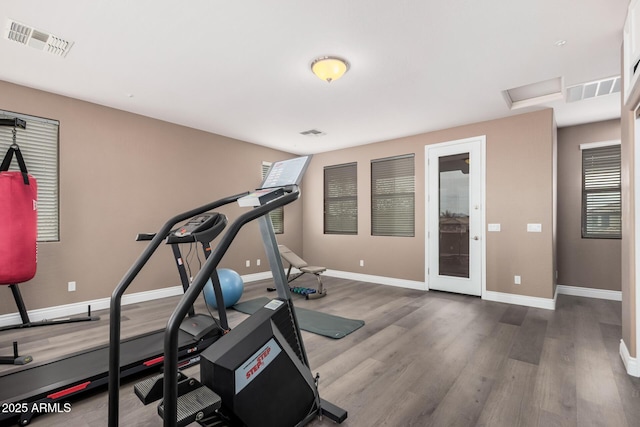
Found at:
<point>150,389</point>
<point>199,403</point>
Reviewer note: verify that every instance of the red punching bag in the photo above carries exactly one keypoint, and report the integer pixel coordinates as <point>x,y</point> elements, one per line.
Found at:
<point>18,221</point>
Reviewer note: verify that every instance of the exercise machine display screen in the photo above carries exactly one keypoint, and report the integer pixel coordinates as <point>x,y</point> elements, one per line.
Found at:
<point>286,172</point>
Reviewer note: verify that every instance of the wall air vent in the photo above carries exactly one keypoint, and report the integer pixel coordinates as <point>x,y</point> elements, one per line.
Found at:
<point>593,89</point>
<point>37,39</point>
<point>313,132</point>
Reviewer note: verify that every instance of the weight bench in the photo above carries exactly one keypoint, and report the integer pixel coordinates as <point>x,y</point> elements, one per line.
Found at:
<point>297,262</point>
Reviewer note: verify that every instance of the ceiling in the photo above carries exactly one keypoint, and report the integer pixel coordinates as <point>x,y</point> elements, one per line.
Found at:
<point>242,68</point>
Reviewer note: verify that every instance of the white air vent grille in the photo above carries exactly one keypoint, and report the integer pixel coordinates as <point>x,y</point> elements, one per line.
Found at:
<point>593,89</point>
<point>37,39</point>
<point>312,132</point>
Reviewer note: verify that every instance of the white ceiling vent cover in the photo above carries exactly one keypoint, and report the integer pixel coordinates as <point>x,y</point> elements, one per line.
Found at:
<point>37,39</point>
<point>313,132</point>
<point>593,89</point>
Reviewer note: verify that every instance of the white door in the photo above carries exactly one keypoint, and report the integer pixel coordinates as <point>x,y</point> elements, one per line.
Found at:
<point>455,216</point>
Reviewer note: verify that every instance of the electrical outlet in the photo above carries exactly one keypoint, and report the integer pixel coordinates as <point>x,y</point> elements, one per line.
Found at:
<point>247,263</point>
<point>361,263</point>
<point>534,228</point>
<point>517,280</point>
<point>72,286</point>
<point>493,227</point>
<point>258,262</point>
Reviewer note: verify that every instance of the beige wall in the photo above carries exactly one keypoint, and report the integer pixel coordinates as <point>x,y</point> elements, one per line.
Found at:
<point>589,263</point>
<point>121,174</point>
<point>519,175</point>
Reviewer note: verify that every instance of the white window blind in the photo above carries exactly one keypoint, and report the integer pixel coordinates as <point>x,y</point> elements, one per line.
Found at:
<point>601,193</point>
<point>277,215</point>
<point>341,199</point>
<point>39,146</point>
<point>393,196</point>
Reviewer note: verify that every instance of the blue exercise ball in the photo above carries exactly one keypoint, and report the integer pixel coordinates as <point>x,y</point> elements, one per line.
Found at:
<point>232,288</point>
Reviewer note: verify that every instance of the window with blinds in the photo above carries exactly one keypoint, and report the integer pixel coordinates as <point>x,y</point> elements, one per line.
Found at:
<point>341,199</point>
<point>601,197</point>
<point>39,146</point>
<point>393,196</point>
<point>277,215</point>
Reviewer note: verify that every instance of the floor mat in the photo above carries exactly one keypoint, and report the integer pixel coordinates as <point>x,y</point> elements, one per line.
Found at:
<point>319,323</point>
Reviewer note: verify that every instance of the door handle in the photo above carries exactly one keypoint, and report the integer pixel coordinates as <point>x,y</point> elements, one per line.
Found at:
<point>476,238</point>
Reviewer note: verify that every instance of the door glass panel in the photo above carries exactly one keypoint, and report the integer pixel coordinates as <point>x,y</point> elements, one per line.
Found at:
<point>454,215</point>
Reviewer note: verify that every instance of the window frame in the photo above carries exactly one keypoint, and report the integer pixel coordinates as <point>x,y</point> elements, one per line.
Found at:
<point>608,184</point>
<point>336,201</point>
<point>397,173</point>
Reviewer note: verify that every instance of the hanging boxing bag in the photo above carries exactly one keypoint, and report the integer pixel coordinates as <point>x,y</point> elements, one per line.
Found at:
<point>18,221</point>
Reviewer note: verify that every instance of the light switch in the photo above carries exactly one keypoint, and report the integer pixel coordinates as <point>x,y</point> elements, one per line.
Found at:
<point>493,227</point>
<point>534,228</point>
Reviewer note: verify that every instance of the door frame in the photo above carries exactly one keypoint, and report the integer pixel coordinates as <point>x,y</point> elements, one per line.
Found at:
<point>481,140</point>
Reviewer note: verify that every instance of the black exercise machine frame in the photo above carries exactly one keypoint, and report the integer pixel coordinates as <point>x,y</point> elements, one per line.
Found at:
<point>204,238</point>
<point>170,387</point>
<point>171,332</point>
<point>115,310</point>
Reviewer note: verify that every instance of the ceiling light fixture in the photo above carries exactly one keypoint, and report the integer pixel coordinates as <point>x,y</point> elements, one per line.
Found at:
<point>329,68</point>
<point>560,43</point>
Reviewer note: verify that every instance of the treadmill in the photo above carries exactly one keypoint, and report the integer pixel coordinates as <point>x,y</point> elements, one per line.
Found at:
<point>41,388</point>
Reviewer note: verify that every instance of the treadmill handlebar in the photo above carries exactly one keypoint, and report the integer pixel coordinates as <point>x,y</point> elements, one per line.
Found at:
<point>170,391</point>
<point>115,309</point>
<point>141,237</point>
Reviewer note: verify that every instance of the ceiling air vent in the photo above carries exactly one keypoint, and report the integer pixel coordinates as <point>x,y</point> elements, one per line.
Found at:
<point>593,89</point>
<point>37,39</point>
<point>313,132</point>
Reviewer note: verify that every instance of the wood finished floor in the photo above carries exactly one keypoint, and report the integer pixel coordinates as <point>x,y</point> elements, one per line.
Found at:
<point>422,359</point>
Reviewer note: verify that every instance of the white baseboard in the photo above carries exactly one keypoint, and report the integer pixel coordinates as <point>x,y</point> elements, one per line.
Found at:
<point>257,276</point>
<point>589,292</point>
<point>81,307</point>
<point>138,297</point>
<point>546,303</point>
<point>402,283</point>
<point>103,303</point>
<point>537,302</point>
<point>630,363</point>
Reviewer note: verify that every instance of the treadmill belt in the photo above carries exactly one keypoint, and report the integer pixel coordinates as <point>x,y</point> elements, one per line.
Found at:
<point>89,365</point>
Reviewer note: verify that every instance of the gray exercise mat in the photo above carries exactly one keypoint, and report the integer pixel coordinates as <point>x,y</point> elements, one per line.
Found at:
<point>311,321</point>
